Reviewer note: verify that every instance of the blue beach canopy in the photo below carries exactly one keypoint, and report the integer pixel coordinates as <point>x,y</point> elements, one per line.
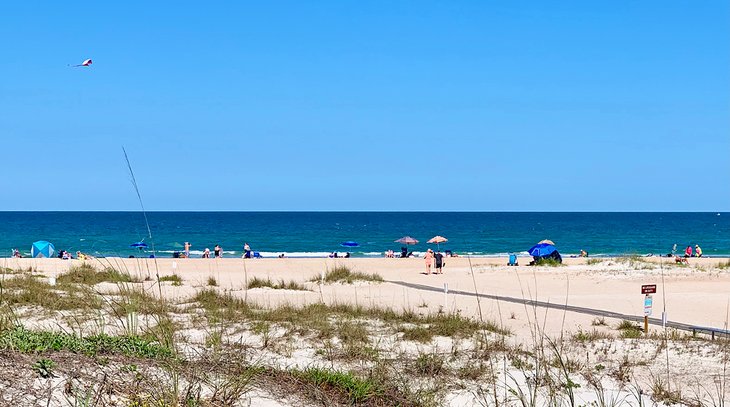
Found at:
<point>542,250</point>
<point>42,249</point>
<point>349,243</point>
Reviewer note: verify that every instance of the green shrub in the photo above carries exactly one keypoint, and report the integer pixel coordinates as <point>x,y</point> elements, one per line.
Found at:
<point>356,389</point>
<point>27,341</point>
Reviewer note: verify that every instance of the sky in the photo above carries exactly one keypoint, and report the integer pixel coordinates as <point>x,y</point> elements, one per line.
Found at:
<point>377,105</point>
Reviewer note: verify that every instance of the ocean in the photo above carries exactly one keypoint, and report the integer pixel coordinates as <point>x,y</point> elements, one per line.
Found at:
<point>316,234</point>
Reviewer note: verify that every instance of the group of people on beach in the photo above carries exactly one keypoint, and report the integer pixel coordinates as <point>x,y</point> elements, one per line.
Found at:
<point>436,260</point>
<point>697,252</point>
<point>688,252</point>
<point>217,252</point>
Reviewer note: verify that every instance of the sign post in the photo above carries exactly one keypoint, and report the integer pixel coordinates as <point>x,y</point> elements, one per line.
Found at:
<point>647,290</point>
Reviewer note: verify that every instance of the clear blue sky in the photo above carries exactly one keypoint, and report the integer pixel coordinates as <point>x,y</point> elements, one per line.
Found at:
<point>338,105</point>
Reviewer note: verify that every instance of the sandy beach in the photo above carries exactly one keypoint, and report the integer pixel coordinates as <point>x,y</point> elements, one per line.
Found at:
<point>696,294</point>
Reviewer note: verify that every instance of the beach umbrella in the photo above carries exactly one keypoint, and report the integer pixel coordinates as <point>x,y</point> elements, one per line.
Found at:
<point>542,250</point>
<point>437,240</point>
<point>42,249</point>
<point>407,240</point>
<point>349,243</point>
<point>546,241</point>
<point>139,245</point>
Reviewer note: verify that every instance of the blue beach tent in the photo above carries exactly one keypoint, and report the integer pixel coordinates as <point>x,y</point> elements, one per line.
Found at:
<point>42,248</point>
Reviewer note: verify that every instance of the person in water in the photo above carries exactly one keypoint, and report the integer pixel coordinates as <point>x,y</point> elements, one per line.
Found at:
<point>698,251</point>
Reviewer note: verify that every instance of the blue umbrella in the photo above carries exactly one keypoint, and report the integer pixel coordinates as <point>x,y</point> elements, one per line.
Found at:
<point>349,243</point>
<point>542,250</point>
<point>139,245</point>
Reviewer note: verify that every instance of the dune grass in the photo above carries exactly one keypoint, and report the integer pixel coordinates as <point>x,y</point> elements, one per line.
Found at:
<point>256,282</point>
<point>27,341</point>
<point>343,274</point>
<point>548,263</point>
<point>357,390</point>
<point>629,330</point>
<point>87,274</point>
<point>316,317</point>
<point>29,290</point>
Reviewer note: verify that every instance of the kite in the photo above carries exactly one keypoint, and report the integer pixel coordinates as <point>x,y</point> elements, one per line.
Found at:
<point>86,62</point>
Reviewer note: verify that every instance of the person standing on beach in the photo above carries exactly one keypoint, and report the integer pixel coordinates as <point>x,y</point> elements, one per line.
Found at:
<point>429,260</point>
<point>688,252</point>
<point>187,249</point>
<point>218,251</point>
<point>439,263</point>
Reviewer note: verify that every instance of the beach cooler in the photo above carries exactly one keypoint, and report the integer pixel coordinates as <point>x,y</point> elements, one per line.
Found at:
<point>512,260</point>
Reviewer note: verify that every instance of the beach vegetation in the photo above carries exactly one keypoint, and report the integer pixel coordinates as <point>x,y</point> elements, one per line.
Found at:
<point>662,393</point>
<point>629,330</point>
<point>430,364</point>
<point>418,334</point>
<point>549,262</point>
<point>355,390</point>
<point>29,290</point>
<point>256,282</point>
<point>132,298</point>
<point>173,278</point>
<point>44,368</point>
<point>590,336</point>
<point>88,274</point>
<point>317,317</point>
<point>212,282</point>
<point>636,262</point>
<point>724,265</point>
<point>23,340</point>
<point>592,262</point>
<point>343,274</point>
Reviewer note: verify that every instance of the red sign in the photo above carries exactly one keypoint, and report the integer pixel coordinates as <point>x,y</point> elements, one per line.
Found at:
<point>648,289</point>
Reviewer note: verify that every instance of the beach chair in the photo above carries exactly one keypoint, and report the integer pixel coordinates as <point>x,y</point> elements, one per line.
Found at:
<point>513,260</point>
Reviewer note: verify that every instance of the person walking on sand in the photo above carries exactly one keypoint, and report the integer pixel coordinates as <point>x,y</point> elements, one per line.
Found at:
<point>439,263</point>
<point>187,250</point>
<point>218,252</point>
<point>429,260</point>
<point>698,251</point>
<point>688,252</point>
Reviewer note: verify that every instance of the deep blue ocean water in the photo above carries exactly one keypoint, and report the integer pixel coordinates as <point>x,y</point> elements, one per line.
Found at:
<point>317,233</point>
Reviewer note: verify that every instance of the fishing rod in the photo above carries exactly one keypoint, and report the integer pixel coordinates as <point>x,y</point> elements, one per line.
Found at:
<point>146,221</point>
